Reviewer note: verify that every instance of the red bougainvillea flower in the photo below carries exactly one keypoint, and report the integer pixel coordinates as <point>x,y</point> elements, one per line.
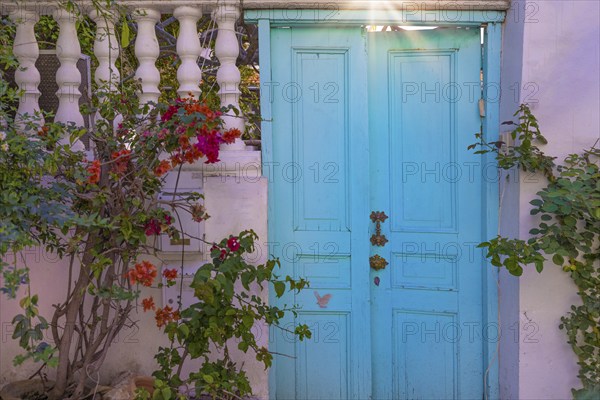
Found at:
<point>152,227</point>
<point>230,136</point>
<point>148,304</point>
<point>222,252</point>
<point>121,159</point>
<point>168,115</point>
<point>233,243</point>
<point>170,274</point>
<point>143,273</point>
<point>162,168</point>
<point>165,315</point>
<point>94,171</point>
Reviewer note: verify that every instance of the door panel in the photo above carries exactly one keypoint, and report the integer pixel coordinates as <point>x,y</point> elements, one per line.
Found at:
<point>319,185</point>
<point>421,121</point>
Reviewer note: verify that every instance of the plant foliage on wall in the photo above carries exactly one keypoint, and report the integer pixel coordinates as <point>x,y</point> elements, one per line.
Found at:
<point>568,232</point>
<point>101,213</point>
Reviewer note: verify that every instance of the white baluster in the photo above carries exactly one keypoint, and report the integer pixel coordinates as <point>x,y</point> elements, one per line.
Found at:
<point>228,76</point>
<point>189,50</point>
<point>106,49</point>
<point>27,76</point>
<point>68,77</point>
<point>147,51</point>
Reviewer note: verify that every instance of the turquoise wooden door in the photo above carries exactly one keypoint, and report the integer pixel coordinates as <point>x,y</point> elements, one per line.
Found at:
<point>318,197</point>
<point>427,311</point>
<point>367,122</point>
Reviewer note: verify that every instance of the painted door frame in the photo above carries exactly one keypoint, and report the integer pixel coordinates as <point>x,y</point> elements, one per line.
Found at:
<point>492,20</point>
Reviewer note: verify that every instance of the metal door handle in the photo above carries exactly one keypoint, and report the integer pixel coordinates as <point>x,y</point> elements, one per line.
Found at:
<point>378,217</point>
<point>377,262</point>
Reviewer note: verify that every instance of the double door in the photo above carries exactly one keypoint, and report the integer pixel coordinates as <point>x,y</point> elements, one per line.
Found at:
<point>376,201</point>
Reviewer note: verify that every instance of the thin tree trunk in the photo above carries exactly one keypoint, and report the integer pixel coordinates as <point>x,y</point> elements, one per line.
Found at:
<point>72,308</point>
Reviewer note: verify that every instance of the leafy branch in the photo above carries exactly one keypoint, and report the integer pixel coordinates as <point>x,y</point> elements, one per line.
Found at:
<point>568,232</point>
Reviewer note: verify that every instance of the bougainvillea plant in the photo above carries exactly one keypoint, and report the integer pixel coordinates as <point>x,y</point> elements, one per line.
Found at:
<point>99,210</point>
<point>223,315</point>
<point>101,214</point>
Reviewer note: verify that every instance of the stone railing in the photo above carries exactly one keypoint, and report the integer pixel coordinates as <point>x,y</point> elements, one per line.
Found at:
<point>25,15</point>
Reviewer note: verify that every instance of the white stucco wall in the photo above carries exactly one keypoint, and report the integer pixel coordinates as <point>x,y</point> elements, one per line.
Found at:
<point>559,78</point>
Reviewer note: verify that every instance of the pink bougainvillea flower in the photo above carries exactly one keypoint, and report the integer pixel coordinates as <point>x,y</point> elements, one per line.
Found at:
<point>209,146</point>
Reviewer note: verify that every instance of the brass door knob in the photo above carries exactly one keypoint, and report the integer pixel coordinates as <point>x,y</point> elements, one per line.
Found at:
<point>377,262</point>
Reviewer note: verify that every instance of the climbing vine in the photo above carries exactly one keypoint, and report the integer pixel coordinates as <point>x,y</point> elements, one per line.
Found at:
<point>568,232</point>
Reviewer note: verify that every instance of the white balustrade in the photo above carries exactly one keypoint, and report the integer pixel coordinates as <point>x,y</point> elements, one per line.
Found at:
<point>189,50</point>
<point>106,49</point>
<point>147,51</point>
<point>27,76</point>
<point>228,76</point>
<point>68,77</point>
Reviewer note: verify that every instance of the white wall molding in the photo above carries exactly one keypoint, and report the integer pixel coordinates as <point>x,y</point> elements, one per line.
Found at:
<point>207,5</point>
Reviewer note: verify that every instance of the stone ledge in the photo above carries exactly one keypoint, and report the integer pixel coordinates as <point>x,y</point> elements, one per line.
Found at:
<point>233,163</point>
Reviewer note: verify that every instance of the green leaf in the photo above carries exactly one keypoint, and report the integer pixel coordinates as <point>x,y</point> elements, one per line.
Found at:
<point>248,321</point>
<point>208,378</point>
<point>279,288</point>
<point>539,266</point>
<point>570,220</point>
<point>185,330</point>
<point>166,393</point>
<point>558,259</point>
<point>125,33</point>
